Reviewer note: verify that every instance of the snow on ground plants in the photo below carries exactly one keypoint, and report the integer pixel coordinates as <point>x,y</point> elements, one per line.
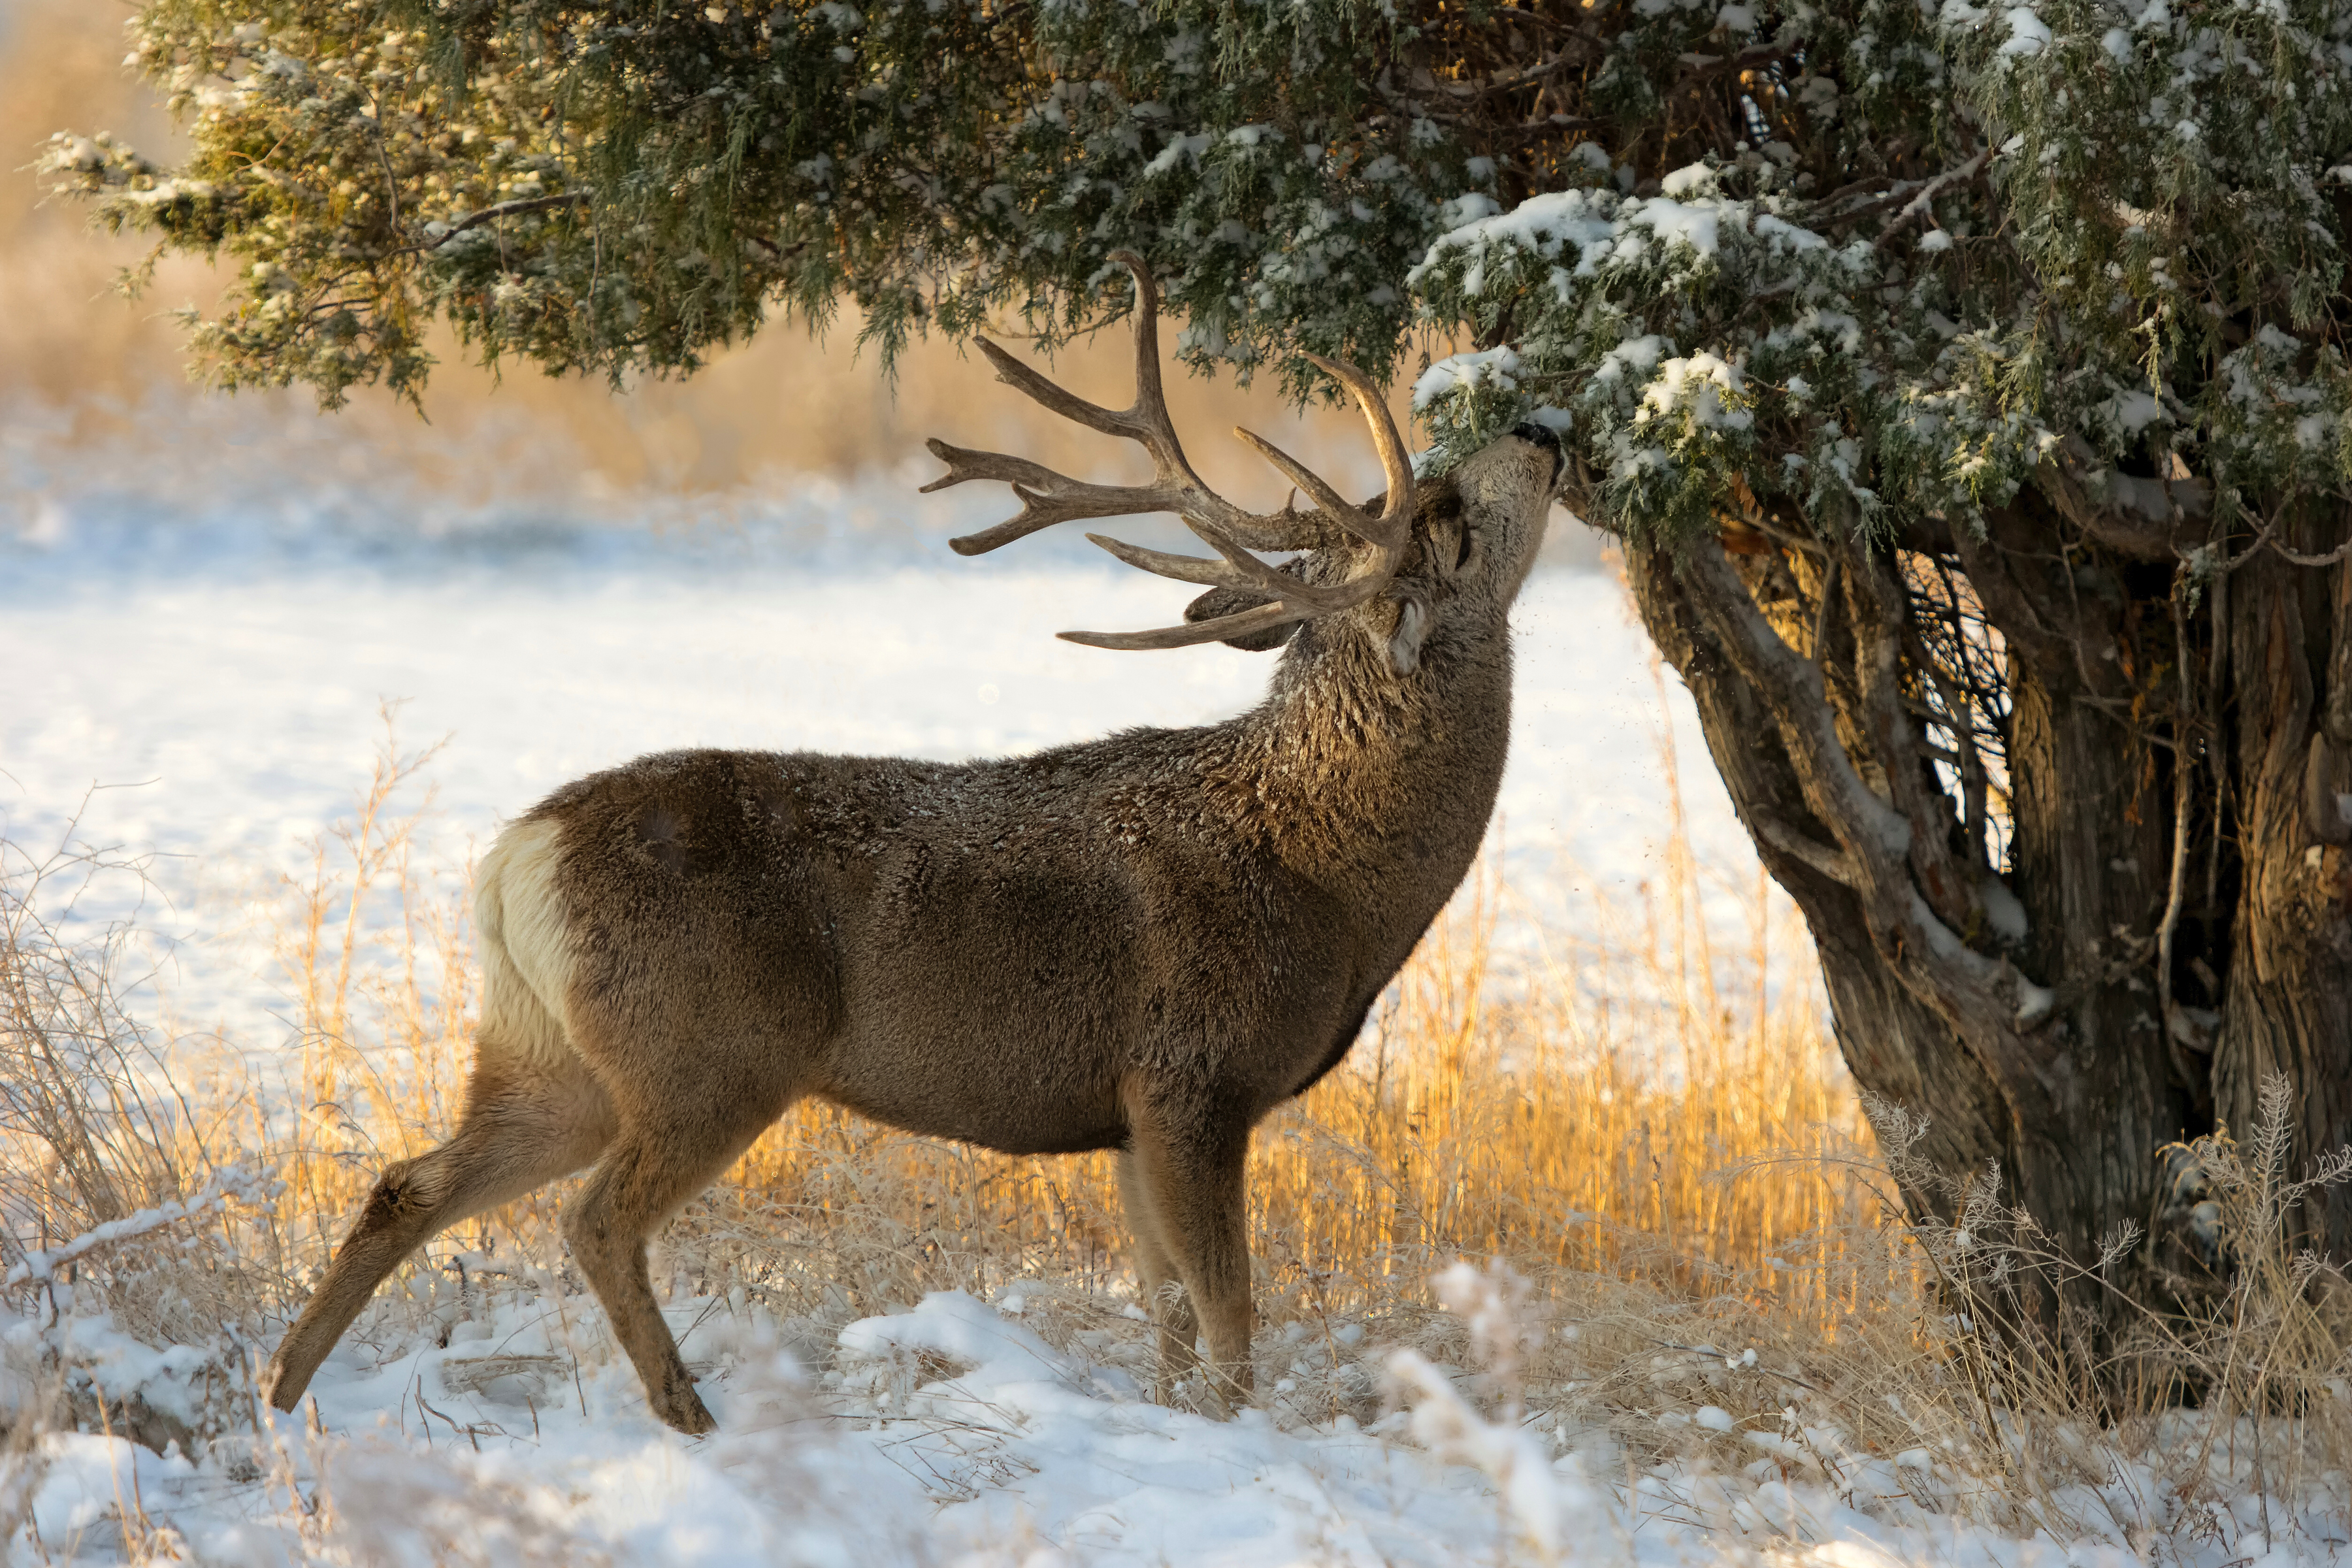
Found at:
<point>492,1422</point>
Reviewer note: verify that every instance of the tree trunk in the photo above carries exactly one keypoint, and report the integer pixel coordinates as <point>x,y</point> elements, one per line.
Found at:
<point>2050,1046</point>
<point>2287,1004</point>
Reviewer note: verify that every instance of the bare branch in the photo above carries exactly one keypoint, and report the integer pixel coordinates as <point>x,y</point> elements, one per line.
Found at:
<point>1924,202</point>
<point>1699,69</point>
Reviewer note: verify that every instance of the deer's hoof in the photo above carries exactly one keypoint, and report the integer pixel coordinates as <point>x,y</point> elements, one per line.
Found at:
<point>684,1411</point>
<point>280,1391</point>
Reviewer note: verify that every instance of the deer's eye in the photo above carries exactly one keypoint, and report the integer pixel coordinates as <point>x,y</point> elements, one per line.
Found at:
<point>1462,552</point>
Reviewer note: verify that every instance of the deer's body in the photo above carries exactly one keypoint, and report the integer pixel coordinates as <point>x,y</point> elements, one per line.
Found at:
<point>998,952</point>
<point>1145,942</point>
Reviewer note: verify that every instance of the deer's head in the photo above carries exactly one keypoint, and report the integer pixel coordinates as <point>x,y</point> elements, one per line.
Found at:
<point>1414,567</point>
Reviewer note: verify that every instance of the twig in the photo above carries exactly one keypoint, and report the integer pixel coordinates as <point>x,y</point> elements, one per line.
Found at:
<point>2173,1044</point>
<point>1924,202</point>
<point>503,209</point>
<point>1821,611</point>
<point>1702,68</point>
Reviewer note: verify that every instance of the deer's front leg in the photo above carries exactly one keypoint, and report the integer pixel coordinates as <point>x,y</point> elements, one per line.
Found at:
<point>1190,1166</point>
<point>1160,1281</point>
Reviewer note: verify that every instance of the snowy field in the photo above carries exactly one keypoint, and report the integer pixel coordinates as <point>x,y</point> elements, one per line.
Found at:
<point>222,677</point>
<point>222,674</point>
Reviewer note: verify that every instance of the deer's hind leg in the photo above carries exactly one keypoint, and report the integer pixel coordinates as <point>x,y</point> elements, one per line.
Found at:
<point>662,1156</point>
<point>529,1119</point>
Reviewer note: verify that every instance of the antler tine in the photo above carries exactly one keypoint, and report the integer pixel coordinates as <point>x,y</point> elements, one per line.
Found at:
<point>1150,401</point>
<point>1060,399</point>
<point>1265,617</point>
<point>1242,571</point>
<point>1049,498</point>
<point>1307,479</point>
<point>1046,498</point>
<point>1395,521</point>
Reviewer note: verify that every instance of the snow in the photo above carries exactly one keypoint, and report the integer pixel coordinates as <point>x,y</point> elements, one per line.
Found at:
<point>1541,225</point>
<point>1179,148</point>
<point>227,673</point>
<point>1496,367</point>
<point>1697,385</point>
<point>2003,911</point>
<point>2136,411</point>
<point>2027,35</point>
<point>1694,224</point>
<point>948,1433</point>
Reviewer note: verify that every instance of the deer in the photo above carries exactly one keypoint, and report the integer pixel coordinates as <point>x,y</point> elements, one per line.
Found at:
<point>1144,943</point>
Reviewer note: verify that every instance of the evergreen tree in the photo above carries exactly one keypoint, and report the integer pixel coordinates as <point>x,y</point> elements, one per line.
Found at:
<point>1967,387</point>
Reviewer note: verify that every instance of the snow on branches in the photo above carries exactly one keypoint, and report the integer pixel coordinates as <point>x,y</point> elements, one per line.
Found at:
<point>2096,223</point>
<point>1878,257</point>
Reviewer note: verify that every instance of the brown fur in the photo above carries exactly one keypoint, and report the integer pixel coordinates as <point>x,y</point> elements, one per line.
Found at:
<point>1145,943</point>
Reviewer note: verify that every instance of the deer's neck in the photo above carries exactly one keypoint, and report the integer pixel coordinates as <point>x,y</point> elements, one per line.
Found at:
<point>1359,775</point>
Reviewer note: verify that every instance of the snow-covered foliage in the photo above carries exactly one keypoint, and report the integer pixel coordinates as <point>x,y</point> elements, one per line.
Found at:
<point>613,186</point>
<point>1928,241</point>
<point>1862,255</point>
<point>1960,236</point>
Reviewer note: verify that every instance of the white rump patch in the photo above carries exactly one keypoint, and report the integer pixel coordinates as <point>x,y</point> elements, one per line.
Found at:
<point>526,952</point>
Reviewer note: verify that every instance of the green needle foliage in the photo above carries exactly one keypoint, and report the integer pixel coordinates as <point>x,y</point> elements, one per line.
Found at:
<point>624,188</point>
<point>1869,253</point>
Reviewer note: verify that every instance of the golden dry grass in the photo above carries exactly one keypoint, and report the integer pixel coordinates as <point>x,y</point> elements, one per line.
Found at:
<point>1567,1103</point>
<point>1641,1116</point>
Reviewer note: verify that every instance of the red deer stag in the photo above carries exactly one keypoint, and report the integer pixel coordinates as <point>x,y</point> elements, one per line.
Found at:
<point>1143,944</point>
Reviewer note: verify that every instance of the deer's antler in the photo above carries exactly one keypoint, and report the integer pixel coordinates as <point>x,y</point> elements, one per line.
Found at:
<point>1049,498</point>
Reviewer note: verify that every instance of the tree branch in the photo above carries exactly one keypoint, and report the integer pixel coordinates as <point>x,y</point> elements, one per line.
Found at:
<point>1924,202</point>
<point>1987,1003</point>
<point>2136,517</point>
<point>1699,69</point>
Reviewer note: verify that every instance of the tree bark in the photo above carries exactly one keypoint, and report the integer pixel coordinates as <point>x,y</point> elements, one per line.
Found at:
<point>2059,1053</point>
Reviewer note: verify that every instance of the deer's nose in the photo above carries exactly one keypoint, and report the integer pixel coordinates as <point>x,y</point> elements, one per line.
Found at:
<point>1544,436</point>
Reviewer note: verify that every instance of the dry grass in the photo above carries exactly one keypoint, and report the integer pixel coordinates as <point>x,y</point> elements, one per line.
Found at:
<point>1645,1122</point>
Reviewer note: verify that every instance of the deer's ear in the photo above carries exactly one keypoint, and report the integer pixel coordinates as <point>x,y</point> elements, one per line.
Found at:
<point>1230,601</point>
<point>1412,625</point>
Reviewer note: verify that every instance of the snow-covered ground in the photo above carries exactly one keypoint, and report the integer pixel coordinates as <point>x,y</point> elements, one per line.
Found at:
<point>222,673</point>
<point>225,665</point>
<point>952,1433</point>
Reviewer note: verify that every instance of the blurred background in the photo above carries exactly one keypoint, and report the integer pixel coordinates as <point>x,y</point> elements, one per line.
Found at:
<point>222,613</point>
